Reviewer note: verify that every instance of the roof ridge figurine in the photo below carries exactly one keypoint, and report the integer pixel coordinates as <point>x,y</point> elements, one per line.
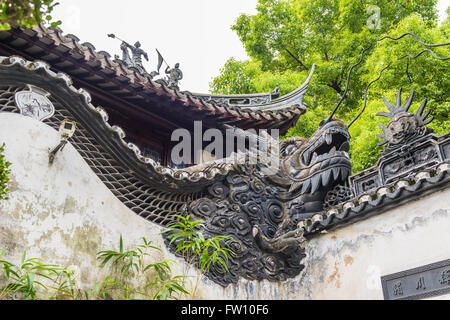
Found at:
<point>173,76</point>
<point>135,62</point>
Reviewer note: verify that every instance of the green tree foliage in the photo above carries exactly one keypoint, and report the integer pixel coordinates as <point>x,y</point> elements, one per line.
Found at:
<point>26,13</point>
<point>4,173</point>
<point>285,37</point>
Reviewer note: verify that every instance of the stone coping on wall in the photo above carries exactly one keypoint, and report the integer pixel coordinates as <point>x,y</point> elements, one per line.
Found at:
<point>381,199</point>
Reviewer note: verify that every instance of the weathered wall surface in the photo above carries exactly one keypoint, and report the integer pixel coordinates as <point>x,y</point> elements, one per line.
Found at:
<point>65,215</point>
<point>62,213</point>
<point>347,263</point>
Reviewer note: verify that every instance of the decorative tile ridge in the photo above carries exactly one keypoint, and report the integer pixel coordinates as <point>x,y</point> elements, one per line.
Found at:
<point>415,162</point>
<point>263,101</point>
<point>409,146</point>
<point>426,152</point>
<point>414,155</point>
<point>213,106</point>
<point>88,51</point>
<point>381,199</point>
<point>164,173</point>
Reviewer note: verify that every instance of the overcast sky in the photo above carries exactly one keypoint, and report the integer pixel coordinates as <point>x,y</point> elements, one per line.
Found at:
<point>195,33</point>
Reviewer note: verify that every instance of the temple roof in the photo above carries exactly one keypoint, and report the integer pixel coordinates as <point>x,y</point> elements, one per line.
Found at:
<point>114,83</point>
<point>110,137</point>
<point>263,101</point>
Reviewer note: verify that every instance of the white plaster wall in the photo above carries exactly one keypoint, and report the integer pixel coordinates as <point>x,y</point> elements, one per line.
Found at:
<point>64,214</point>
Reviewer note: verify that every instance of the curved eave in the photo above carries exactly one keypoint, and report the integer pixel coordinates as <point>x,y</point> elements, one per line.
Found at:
<point>95,119</point>
<point>65,53</point>
<point>231,96</point>
<point>292,99</point>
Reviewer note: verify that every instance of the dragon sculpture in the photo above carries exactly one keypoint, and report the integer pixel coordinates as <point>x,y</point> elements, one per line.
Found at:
<point>260,211</point>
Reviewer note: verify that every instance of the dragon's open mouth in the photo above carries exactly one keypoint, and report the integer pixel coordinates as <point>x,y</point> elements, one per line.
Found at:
<point>333,142</point>
<point>325,163</point>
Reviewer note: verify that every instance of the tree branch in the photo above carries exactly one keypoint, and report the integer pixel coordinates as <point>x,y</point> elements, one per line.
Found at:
<point>296,59</point>
<point>334,85</point>
<point>407,73</point>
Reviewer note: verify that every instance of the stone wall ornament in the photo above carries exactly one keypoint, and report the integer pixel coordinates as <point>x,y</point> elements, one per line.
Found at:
<point>409,146</point>
<point>261,212</point>
<point>336,196</point>
<point>265,242</point>
<point>34,103</point>
<point>403,125</point>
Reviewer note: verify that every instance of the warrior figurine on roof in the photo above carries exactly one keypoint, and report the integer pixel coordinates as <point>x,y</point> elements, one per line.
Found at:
<point>136,52</point>
<point>174,75</point>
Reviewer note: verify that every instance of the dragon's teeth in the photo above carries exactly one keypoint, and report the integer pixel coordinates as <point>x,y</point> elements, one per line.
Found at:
<point>306,157</point>
<point>333,150</point>
<point>328,138</point>
<point>314,157</point>
<point>326,177</point>
<point>336,172</point>
<point>345,173</point>
<point>306,186</point>
<point>315,183</point>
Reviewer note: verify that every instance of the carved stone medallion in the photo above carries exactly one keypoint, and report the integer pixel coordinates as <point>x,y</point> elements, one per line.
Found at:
<point>34,103</point>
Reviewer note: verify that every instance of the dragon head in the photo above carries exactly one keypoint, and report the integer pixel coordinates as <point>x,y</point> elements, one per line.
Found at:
<point>312,167</point>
